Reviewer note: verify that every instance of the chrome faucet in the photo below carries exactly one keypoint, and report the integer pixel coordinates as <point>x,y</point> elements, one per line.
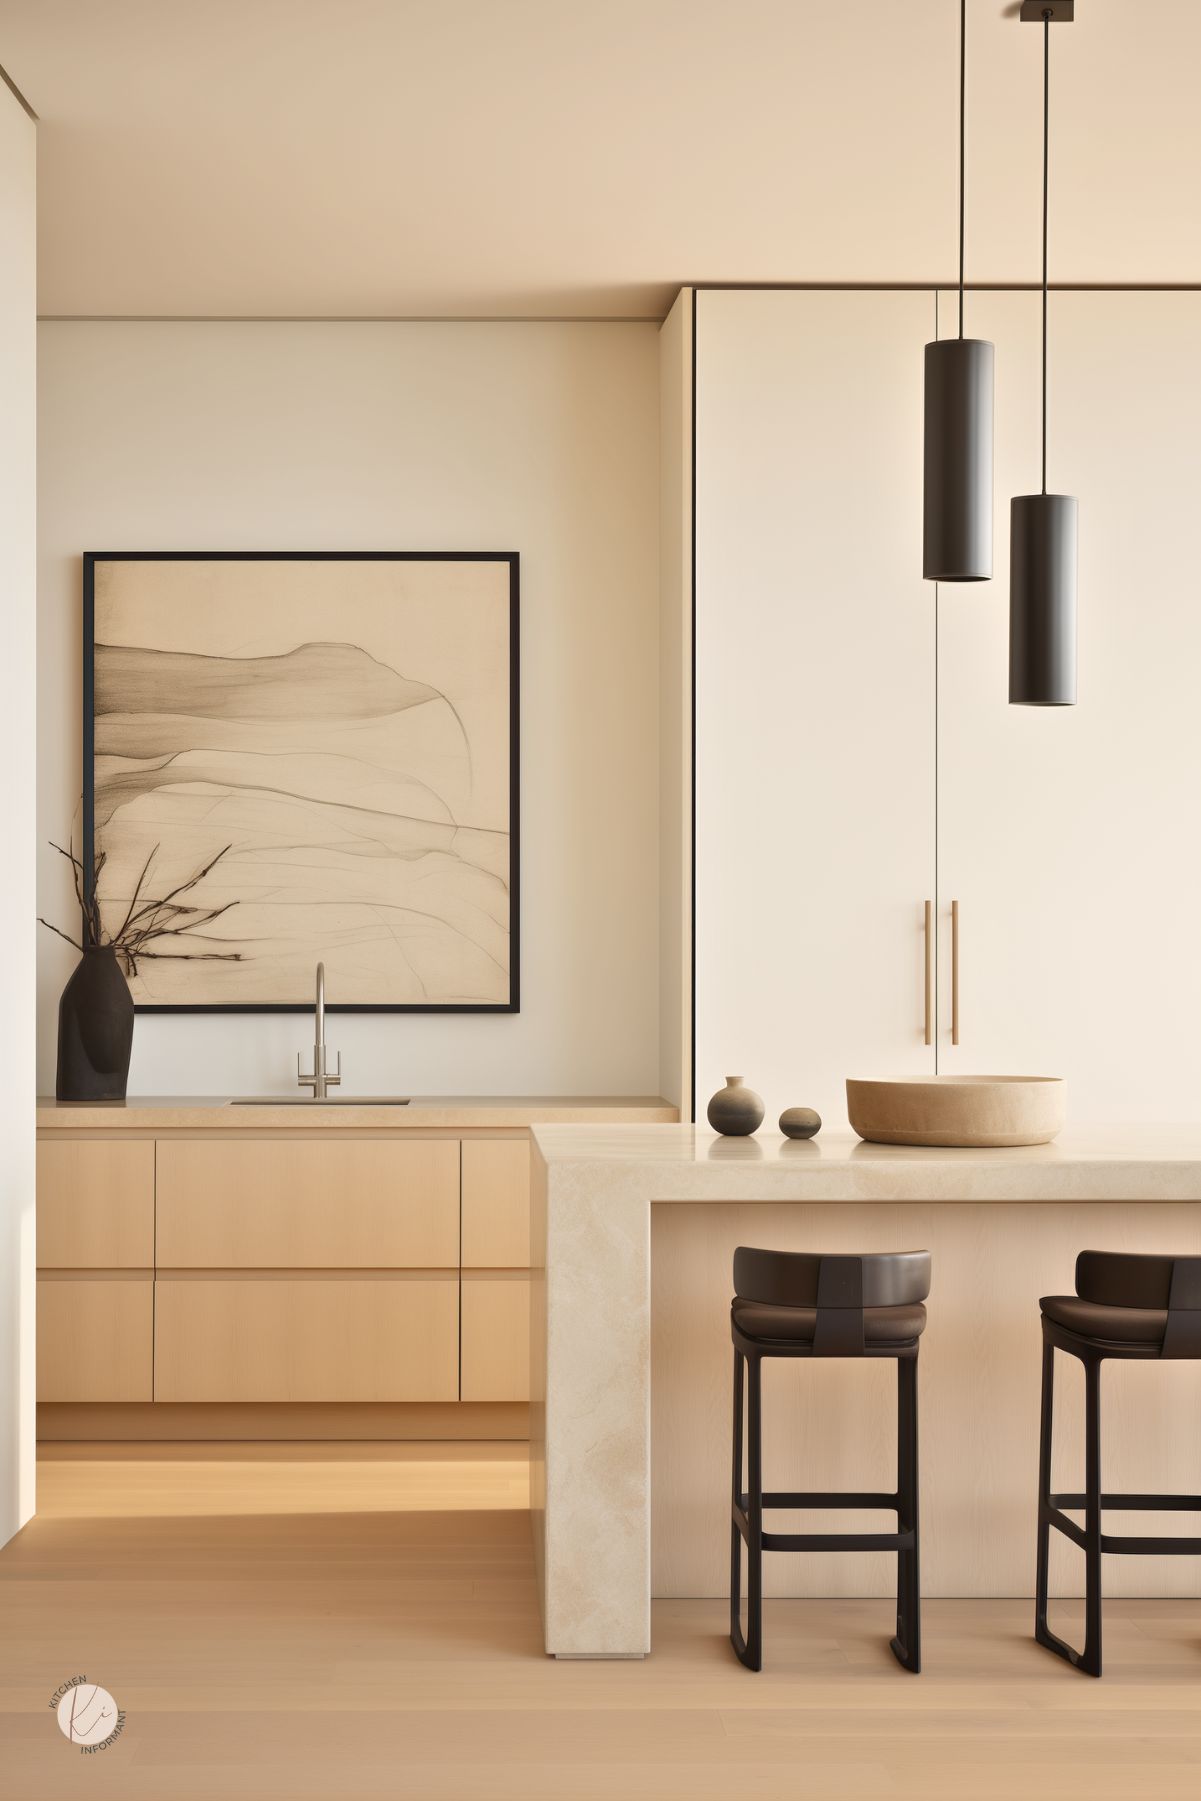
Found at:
<point>319,1081</point>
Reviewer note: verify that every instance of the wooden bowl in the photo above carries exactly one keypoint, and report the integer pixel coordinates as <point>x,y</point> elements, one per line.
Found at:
<point>957,1110</point>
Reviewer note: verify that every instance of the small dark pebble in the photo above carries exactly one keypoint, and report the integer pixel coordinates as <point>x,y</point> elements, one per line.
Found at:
<point>800,1122</point>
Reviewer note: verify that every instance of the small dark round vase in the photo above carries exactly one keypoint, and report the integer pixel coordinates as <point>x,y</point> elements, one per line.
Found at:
<point>800,1122</point>
<point>735,1111</point>
<point>95,1029</point>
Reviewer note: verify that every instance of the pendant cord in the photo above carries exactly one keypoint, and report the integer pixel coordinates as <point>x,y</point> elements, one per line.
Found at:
<point>962,117</point>
<point>1046,166</point>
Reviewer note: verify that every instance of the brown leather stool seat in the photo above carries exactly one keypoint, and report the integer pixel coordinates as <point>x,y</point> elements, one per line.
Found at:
<point>811,1306</point>
<point>1131,1307</point>
<point>797,1325</point>
<point>1107,1325</point>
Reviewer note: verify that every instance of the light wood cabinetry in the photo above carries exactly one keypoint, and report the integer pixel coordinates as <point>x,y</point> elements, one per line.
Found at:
<point>495,1295</point>
<point>95,1249</point>
<point>95,1337</point>
<point>290,1204</point>
<point>320,1338</point>
<point>95,1205</point>
<point>495,1335</point>
<point>496,1203</point>
<point>214,1269</point>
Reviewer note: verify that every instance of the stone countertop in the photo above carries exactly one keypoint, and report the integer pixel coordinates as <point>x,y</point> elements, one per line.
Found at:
<point>659,1162</point>
<point>174,1113</point>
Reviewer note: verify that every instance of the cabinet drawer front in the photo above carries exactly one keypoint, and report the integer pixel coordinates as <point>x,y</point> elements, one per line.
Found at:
<point>95,1338</point>
<point>496,1203</point>
<point>306,1339</point>
<point>286,1204</point>
<point>95,1205</point>
<point>496,1337</point>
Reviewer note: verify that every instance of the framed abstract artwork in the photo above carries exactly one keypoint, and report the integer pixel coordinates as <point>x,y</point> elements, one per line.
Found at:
<point>332,739</point>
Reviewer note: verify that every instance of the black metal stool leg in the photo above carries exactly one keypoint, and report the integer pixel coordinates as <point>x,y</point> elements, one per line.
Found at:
<point>1088,1660</point>
<point>907,1645</point>
<point>754,1516</point>
<point>1042,1564</point>
<point>1091,1659</point>
<point>736,1541</point>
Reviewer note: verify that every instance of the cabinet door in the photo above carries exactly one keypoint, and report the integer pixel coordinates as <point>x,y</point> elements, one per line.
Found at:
<point>95,1204</point>
<point>1068,835</point>
<point>496,1336</point>
<point>814,693</point>
<point>292,1204</point>
<point>496,1203</point>
<point>306,1339</point>
<point>95,1338</point>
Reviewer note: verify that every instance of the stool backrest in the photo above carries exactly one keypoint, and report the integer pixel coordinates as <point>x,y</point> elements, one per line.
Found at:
<point>1133,1279</point>
<point>819,1279</point>
<point>838,1286</point>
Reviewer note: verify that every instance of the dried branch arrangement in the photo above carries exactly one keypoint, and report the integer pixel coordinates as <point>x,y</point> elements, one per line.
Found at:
<point>147,923</point>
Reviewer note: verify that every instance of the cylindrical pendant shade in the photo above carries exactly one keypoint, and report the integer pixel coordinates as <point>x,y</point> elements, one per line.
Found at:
<point>957,536</point>
<point>1042,600</point>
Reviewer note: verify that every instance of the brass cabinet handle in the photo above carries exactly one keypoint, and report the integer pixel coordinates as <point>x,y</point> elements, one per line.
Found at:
<point>929,972</point>
<point>954,972</point>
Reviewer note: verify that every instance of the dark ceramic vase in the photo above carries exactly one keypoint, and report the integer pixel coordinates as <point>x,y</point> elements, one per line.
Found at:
<point>735,1110</point>
<point>95,1029</point>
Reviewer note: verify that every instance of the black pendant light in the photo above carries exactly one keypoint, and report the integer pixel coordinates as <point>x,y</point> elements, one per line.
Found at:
<point>957,523</point>
<point>1042,527</point>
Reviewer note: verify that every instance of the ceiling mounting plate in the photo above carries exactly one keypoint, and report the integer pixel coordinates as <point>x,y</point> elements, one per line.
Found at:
<point>1062,11</point>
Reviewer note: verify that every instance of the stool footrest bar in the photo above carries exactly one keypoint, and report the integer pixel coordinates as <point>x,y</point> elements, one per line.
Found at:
<point>1135,1503</point>
<point>780,1498</point>
<point>1117,1544</point>
<point>823,1541</point>
<point>838,1541</point>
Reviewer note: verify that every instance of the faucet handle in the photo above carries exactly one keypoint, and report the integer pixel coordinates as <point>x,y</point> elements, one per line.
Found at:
<point>303,1081</point>
<point>334,1081</point>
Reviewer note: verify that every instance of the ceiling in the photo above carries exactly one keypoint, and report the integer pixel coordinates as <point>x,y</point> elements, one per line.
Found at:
<point>335,158</point>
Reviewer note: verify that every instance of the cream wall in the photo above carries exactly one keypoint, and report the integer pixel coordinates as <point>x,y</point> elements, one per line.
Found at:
<point>535,437</point>
<point>18,311</point>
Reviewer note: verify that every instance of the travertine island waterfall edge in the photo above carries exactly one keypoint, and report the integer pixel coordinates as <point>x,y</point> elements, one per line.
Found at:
<point>632,1231</point>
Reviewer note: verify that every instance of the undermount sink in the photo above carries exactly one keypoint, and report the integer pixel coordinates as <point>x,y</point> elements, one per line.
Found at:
<point>957,1110</point>
<point>329,1100</point>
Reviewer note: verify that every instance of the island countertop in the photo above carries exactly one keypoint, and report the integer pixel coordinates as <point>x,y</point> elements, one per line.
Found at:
<point>664,1162</point>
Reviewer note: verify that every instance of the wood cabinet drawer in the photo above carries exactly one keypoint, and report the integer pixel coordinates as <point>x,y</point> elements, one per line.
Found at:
<point>496,1203</point>
<point>496,1337</point>
<point>289,1204</point>
<point>306,1338</point>
<point>95,1338</point>
<point>95,1204</point>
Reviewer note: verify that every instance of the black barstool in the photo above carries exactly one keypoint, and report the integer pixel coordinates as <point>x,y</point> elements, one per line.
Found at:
<point>1125,1306</point>
<point>804,1304</point>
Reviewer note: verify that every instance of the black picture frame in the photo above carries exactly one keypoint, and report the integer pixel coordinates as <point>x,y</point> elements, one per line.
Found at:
<point>92,557</point>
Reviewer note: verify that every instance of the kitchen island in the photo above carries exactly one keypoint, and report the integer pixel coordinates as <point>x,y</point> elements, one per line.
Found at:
<point>632,1234</point>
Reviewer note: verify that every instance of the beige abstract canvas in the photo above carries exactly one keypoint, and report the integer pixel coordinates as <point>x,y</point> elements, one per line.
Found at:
<point>343,730</point>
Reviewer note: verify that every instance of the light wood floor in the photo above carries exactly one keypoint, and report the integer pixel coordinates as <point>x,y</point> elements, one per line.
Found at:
<point>332,1623</point>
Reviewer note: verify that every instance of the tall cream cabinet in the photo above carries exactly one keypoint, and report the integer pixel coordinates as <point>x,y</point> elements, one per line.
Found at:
<point>815,702</point>
<point>1069,836</point>
<point>855,753</point>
